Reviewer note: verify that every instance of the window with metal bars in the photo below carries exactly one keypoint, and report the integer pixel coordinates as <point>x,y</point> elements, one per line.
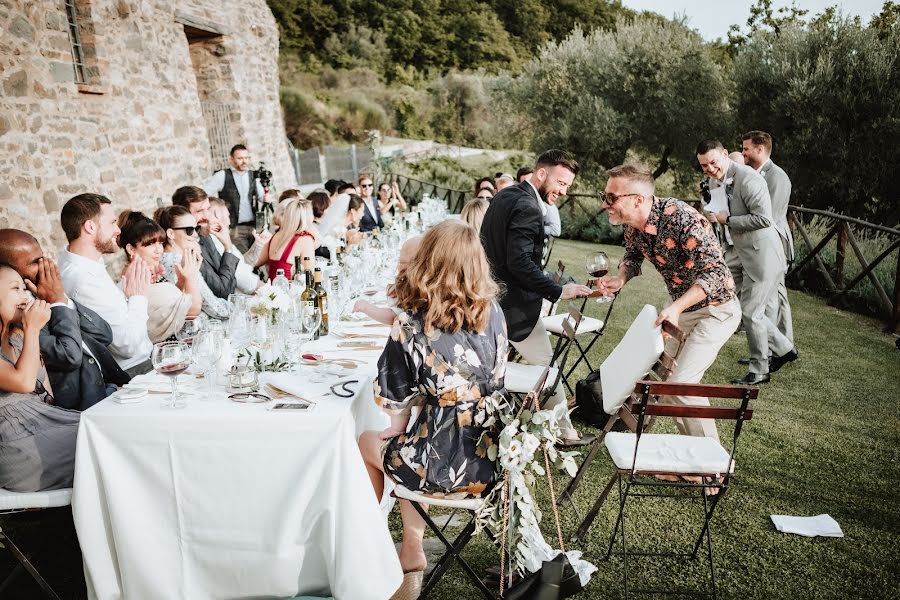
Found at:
<point>75,39</point>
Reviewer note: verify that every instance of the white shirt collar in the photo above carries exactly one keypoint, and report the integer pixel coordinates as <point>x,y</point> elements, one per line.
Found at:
<point>537,194</point>
<point>78,260</point>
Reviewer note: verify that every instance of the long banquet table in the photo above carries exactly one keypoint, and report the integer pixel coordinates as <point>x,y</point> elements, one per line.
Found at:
<point>229,500</point>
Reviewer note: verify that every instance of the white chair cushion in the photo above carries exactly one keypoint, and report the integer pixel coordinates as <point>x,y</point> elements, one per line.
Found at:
<point>667,453</point>
<point>22,500</point>
<point>464,503</point>
<point>553,324</point>
<point>522,378</point>
<point>631,359</point>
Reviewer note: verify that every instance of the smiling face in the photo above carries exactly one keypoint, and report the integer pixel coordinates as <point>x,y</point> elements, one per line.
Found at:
<point>13,296</point>
<point>554,182</point>
<point>150,253</point>
<point>754,156</point>
<point>714,163</point>
<point>365,187</point>
<point>182,238</point>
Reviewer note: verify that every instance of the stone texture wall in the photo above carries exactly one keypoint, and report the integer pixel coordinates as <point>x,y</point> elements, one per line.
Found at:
<point>135,130</point>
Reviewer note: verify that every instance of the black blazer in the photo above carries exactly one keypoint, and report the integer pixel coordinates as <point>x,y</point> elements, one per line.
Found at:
<point>368,221</point>
<point>78,383</point>
<point>218,270</point>
<point>512,234</point>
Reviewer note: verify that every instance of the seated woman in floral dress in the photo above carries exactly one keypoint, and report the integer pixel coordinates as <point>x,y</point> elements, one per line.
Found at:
<point>446,355</point>
<point>37,439</point>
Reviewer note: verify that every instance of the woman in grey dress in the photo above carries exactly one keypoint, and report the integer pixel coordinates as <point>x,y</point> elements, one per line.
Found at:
<point>446,356</point>
<point>37,439</point>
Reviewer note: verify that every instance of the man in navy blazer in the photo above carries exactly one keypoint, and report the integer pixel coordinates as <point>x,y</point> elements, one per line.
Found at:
<point>512,234</point>
<point>74,342</point>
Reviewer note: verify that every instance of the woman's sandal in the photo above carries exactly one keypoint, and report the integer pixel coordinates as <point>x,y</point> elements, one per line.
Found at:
<point>411,586</point>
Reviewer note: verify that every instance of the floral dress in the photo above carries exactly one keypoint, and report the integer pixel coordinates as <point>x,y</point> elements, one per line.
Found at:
<point>447,448</point>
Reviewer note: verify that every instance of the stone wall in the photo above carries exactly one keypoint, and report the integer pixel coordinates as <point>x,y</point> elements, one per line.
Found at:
<point>134,130</point>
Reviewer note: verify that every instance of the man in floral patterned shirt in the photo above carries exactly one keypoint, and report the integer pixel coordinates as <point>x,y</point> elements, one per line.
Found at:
<point>681,244</point>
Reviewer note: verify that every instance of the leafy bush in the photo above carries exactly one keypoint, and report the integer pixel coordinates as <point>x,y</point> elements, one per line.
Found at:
<point>584,220</point>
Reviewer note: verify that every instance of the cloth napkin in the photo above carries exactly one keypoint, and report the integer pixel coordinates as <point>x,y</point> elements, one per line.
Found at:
<point>303,387</point>
<point>822,525</point>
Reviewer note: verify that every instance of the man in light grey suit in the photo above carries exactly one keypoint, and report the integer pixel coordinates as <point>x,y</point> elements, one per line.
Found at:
<point>753,252</point>
<point>756,147</point>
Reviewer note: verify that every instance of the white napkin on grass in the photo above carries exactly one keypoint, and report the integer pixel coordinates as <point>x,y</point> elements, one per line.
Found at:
<point>822,525</point>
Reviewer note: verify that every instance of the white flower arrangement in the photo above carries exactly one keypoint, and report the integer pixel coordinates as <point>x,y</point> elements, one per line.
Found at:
<point>520,451</point>
<point>268,301</point>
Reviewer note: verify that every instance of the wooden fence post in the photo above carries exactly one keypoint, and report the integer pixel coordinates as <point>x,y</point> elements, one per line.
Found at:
<point>839,256</point>
<point>895,321</point>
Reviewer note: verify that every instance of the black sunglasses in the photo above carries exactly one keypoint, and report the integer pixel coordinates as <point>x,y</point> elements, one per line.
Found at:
<point>366,185</point>
<point>191,230</point>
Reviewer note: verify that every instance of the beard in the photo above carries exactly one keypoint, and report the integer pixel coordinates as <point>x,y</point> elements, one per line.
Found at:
<point>107,246</point>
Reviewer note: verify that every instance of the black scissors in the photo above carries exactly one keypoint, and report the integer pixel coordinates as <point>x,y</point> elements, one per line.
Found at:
<point>346,391</point>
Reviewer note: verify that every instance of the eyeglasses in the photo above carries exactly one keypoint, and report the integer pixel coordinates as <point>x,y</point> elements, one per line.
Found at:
<point>609,199</point>
<point>189,231</point>
<point>366,185</point>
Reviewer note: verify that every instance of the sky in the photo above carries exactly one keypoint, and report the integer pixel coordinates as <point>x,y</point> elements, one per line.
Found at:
<point>712,18</point>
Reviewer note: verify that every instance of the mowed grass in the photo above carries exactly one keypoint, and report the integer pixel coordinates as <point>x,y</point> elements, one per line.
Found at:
<point>824,439</point>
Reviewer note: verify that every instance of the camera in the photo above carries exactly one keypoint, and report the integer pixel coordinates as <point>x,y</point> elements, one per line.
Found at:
<point>704,192</point>
<point>264,176</point>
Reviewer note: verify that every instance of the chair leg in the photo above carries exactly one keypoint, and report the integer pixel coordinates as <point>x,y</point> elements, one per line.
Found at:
<point>453,553</point>
<point>595,510</point>
<point>24,562</point>
<point>624,498</point>
<point>573,484</point>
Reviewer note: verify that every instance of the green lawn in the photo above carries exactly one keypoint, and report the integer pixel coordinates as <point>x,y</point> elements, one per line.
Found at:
<point>824,439</point>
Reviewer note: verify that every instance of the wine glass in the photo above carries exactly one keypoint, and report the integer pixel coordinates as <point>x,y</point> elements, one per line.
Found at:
<point>310,321</point>
<point>172,359</point>
<point>188,329</point>
<point>597,265</point>
<point>206,351</point>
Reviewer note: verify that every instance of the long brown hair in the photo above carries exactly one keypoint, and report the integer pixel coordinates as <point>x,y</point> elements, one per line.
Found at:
<point>448,282</point>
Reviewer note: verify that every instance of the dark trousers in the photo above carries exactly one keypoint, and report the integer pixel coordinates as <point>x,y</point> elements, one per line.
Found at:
<point>242,236</point>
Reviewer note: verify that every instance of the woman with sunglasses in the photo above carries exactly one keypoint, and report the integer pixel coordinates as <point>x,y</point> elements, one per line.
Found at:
<point>169,305</point>
<point>182,235</point>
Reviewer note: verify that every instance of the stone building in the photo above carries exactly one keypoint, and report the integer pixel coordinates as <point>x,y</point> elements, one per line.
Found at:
<point>131,99</point>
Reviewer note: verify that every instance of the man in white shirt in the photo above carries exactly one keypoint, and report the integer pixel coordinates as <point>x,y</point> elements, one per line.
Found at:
<point>242,191</point>
<point>246,280</point>
<point>90,226</point>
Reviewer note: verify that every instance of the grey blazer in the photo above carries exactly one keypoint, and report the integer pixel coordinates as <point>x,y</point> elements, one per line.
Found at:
<point>753,236</point>
<point>780,191</point>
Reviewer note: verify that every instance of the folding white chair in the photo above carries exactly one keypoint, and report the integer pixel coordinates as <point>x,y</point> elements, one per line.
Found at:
<point>16,502</point>
<point>641,351</point>
<point>639,456</point>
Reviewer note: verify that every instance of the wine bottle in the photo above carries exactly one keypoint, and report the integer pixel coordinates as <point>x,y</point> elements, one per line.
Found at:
<point>321,300</point>
<point>308,297</point>
<point>298,274</point>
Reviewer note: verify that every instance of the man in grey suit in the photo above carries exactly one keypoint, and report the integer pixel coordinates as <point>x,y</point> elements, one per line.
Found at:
<point>753,252</point>
<point>757,150</point>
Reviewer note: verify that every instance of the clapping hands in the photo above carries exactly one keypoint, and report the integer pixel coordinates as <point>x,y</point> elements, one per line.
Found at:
<point>137,278</point>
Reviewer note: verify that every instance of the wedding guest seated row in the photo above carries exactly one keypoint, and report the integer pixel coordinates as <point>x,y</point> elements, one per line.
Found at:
<point>37,439</point>
<point>169,305</point>
<point>91,228</point>
<point>74,341</point>
<point>447,304</point>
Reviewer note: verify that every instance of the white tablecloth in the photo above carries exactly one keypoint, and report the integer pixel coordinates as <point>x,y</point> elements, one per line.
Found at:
<point>229,500</point>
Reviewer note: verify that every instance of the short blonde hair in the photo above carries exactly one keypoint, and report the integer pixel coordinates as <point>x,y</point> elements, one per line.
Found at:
<point>473,212</point>
<point>448,283</point>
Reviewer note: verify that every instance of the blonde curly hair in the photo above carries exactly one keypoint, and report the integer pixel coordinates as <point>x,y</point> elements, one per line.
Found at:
<point>448,283</point>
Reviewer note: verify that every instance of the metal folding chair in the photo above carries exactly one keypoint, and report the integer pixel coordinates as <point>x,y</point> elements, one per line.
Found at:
<point>16,502</point>
<point>521,378</point>
<point>470,505</point>
<point>640,353</point>
<point>639,456</point>
<point>548,250</point>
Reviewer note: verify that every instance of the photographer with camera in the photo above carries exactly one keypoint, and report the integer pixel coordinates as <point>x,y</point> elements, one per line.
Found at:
<point>245,191</point>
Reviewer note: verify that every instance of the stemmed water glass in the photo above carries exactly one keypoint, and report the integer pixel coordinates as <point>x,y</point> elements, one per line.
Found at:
<point>597,265</point>
<point>310,320</point>
<point>188,329</point>
<point>206,351</point>
<point>172,359</point>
